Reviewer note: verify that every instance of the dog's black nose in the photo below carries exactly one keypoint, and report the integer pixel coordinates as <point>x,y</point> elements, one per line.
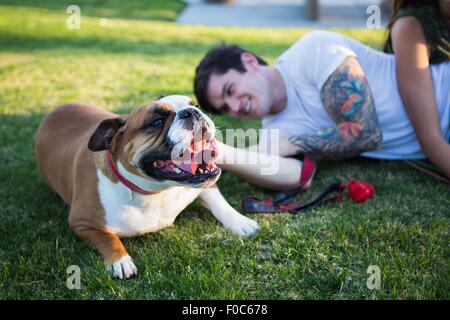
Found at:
<point>188,113</point>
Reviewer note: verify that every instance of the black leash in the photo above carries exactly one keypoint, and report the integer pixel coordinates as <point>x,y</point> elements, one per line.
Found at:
<point>333,192</point>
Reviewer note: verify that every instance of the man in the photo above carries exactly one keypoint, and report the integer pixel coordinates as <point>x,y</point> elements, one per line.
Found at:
<point>330,96</point>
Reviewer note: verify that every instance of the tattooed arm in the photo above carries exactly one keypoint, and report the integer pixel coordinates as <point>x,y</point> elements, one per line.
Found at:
<point>347,98</point>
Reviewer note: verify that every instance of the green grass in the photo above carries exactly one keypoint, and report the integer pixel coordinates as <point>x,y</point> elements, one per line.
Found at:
<point>140,54</point>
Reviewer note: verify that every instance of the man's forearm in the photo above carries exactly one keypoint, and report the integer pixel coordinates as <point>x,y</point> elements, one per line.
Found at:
<point>346,140</point>
<point>265,170</point>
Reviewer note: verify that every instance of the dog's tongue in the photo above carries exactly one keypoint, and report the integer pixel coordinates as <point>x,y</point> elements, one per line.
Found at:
<point>199,155</point>
<point>189,166</point>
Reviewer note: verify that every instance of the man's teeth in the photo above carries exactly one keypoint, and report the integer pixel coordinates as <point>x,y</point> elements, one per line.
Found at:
<point>247,106</point>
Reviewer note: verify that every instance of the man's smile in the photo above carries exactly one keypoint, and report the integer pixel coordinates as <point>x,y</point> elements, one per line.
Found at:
<point>248,106</point>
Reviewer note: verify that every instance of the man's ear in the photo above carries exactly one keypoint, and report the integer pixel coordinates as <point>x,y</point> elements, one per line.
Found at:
<point>249,61</point>
<point>105,132</point>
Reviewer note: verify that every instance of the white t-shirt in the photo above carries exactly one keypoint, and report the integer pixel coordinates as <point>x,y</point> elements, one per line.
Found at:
<point>311,60</point>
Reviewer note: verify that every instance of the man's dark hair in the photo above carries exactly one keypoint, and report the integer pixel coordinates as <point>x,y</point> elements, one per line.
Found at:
<point>218,61</point>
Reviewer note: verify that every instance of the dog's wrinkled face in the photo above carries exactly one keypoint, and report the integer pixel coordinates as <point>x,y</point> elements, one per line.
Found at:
<point>170,141</point>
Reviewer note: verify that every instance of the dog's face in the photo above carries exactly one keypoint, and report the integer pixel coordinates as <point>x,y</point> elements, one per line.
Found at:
<point>169,141</point>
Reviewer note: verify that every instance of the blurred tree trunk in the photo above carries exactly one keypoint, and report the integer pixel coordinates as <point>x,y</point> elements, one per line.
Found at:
<point>312,9</point>
<point>219,1</point>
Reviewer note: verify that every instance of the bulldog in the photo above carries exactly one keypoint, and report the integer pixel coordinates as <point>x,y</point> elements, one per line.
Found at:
<point>126,175</point>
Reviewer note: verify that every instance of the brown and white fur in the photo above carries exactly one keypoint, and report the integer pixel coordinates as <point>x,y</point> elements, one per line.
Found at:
<point>71,147</point>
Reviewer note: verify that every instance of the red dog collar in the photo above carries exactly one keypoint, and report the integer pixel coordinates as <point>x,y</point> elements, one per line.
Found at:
<point>125,181</point>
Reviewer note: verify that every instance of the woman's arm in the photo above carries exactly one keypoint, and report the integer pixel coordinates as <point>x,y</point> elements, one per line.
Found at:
<point>347,98</point>
<point>416,89</point>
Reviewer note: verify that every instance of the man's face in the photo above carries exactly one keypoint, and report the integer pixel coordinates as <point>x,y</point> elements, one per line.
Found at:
<point>242,95</point>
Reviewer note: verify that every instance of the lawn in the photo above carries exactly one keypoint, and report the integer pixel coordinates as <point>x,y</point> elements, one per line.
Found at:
<point>134,56</point>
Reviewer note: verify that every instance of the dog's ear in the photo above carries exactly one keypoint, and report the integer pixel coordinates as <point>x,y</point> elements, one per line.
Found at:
<point>105,132</point>
<point>160,97</point>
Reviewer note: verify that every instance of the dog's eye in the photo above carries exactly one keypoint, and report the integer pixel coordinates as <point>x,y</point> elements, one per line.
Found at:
<point>158,122</point>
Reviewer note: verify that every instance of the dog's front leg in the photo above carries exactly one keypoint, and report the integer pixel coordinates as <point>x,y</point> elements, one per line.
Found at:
<point>111,248</point>
<point>213,200</point>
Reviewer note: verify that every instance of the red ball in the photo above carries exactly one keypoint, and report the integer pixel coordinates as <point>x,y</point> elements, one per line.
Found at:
<point>360,191</point>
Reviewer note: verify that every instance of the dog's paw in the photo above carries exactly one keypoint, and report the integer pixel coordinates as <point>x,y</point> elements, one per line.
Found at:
<point>123,268</point>
<point>243,226</point>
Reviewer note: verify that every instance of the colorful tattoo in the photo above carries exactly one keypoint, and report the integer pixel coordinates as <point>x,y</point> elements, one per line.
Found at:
<point>347,98</point>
